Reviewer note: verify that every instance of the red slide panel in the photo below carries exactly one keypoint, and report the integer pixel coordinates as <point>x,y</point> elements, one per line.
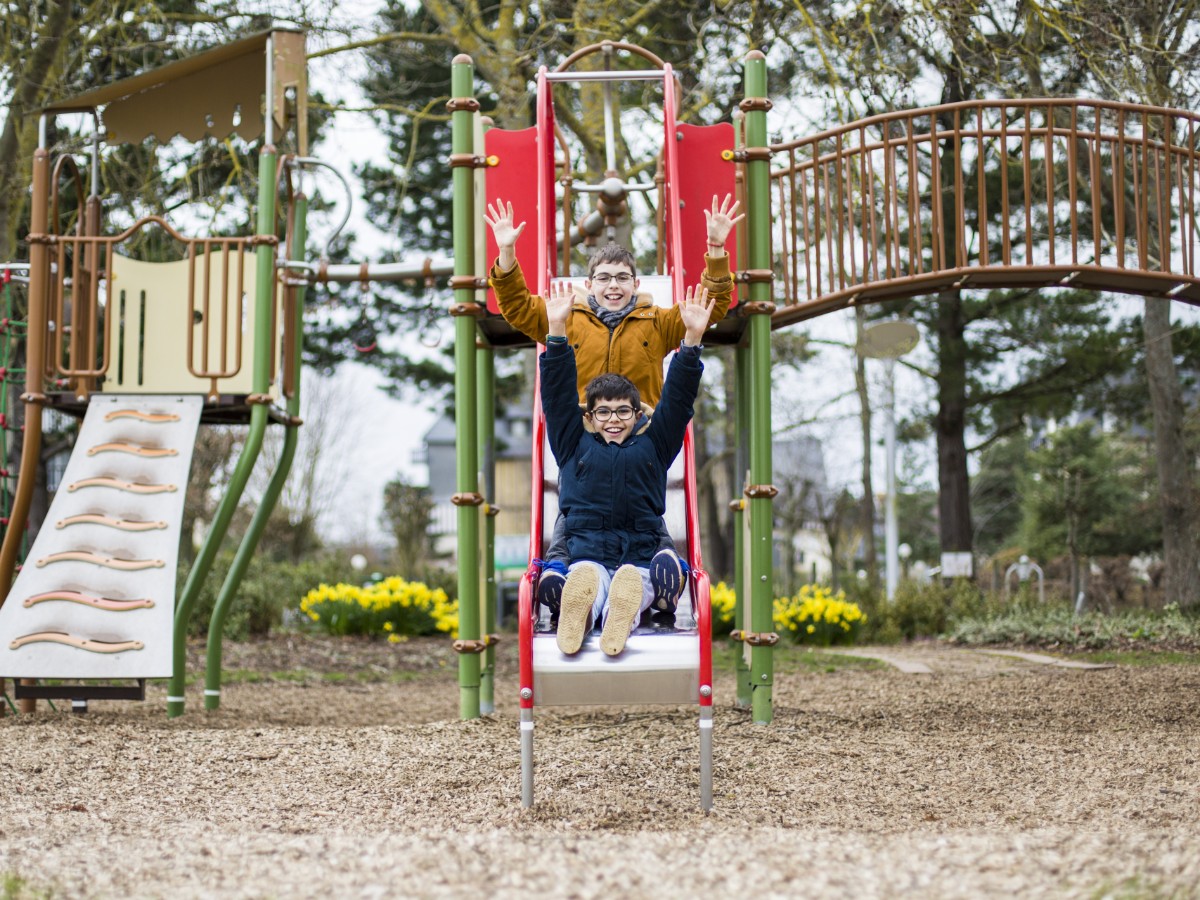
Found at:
<point>508,180</point>
<point>701,174</point>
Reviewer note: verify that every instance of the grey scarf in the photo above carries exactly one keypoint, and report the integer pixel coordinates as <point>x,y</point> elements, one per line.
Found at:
<point>611,317</point>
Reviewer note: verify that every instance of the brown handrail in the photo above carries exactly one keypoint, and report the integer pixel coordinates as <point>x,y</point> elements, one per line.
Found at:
<point>77,358</point>
<point>1096,194</point>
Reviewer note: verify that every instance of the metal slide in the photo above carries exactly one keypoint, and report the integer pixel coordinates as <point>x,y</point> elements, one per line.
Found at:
<point>96,597</point>
<point>672,667</point>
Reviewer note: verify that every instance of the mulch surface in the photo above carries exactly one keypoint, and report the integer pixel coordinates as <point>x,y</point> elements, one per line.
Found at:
<point>347,773</point>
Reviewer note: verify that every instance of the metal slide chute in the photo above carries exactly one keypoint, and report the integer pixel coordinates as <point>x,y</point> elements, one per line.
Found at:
<point>669,664</point>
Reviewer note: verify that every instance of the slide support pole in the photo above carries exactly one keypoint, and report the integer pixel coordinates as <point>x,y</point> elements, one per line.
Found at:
<point>465,309</point>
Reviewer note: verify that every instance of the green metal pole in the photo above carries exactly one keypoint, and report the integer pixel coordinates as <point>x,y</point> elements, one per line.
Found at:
<point>485,379</point>
<point>258,524</point>
<point>742,452</point>
<point>467,498</point>
<point>758,221</point>
<point>740,575</point>
<point>260,381</point>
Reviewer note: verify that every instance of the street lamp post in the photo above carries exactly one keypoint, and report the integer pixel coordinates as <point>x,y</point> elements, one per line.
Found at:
<point>887,341</point>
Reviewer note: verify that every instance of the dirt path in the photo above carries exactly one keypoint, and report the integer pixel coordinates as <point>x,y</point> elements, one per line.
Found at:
<point>991,776</point>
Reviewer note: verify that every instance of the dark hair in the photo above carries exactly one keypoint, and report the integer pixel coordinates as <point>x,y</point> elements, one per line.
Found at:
<point>611,386</point>
<point>612,253</point>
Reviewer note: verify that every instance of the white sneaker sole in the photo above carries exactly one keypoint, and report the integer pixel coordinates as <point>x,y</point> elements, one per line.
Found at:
<point>579,593</point>
<point>624,604</point>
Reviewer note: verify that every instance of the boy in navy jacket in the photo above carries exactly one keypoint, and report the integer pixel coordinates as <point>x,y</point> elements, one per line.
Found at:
<point>613,475</point>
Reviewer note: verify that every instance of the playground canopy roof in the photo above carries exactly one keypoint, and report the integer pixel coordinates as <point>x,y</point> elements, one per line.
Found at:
<point>215,92</point>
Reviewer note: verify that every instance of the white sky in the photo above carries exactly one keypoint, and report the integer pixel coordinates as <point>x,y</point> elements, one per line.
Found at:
<point>394,428</point>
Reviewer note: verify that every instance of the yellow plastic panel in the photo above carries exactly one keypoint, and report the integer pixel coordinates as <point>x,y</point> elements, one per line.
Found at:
<point>149,350</point>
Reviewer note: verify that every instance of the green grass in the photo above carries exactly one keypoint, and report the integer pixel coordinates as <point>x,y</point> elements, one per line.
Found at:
<point>791,659</point>
<point>14,887</point>
<point>1139,657</point>
<point>297,676</point>
<point>1136,888</point>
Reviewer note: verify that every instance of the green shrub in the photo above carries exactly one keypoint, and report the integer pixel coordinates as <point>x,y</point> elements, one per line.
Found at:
<point>269,587</point>
<point>1056,625</point>
<point>919,610</point>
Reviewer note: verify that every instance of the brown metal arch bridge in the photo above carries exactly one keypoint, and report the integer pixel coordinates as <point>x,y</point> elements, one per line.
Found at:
<point>983,194</point>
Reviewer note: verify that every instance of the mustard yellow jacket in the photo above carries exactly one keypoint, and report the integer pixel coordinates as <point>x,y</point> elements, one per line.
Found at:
<point>635,348</point>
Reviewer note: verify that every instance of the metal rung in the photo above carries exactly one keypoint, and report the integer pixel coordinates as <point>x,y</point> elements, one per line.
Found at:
<point>611,75</point>
<point>71,640</point>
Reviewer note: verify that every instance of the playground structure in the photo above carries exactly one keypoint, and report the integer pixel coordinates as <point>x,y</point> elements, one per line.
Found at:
<point>1036,193</point>
<point>1020,194</point>
<point>146,351</point>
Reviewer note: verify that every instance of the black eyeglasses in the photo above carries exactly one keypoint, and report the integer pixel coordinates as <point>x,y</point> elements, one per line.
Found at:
<point>604,278</point>
<point>603,413</point>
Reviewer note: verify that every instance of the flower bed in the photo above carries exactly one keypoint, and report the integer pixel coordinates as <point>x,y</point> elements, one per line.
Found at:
<point>392,607</point>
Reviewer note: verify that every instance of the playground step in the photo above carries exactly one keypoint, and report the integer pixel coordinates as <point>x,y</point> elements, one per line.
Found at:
<point>99,600</point>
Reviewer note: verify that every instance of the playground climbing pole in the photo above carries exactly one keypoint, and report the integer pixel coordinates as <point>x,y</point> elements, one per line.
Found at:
<point>465,310</point>
<point>485,381</point>
<point>293,332</point>
<point>760,491</point>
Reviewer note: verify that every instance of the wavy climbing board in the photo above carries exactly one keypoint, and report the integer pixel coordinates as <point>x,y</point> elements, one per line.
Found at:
<point>96,597</point>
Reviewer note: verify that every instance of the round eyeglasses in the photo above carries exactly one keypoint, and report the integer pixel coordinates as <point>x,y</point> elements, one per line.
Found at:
<point>604,278</point>
<point>603,413</point>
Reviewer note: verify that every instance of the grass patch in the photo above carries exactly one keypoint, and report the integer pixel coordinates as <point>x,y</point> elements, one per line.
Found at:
<point>14,887</point>
<point>790,659</point>
<point>405,676</point>
<point>254,676</point>
<point>1139,657</point>
<point>1135,888</point>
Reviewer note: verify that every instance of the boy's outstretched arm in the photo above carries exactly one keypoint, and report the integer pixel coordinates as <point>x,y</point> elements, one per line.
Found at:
<point>560,397</point>
<point>674,411</point>
<point>719,223</point>
<point>522,310</point>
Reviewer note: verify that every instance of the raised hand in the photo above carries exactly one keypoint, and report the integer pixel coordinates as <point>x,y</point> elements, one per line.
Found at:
<point>695,311</point>
<point>720,221</point>
<point>558,307</point>
<point>500,218</point>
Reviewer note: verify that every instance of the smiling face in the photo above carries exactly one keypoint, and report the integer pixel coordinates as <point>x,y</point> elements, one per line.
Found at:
<point>606,418</point>
<point>613,285</point>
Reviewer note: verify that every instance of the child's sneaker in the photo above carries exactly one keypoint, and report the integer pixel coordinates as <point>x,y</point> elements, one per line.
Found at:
<point>624,604</point>
<point>575,616</point>
<point>550,588</point>
<point>667,574</point>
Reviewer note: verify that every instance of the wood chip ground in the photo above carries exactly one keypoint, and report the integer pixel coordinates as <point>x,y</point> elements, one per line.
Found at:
<point>348,774</point>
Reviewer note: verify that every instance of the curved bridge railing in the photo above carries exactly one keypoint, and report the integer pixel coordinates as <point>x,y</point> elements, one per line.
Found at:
<point>987,194</point>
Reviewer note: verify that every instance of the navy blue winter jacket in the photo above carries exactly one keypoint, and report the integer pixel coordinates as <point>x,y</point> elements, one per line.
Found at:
<point>613,496</point>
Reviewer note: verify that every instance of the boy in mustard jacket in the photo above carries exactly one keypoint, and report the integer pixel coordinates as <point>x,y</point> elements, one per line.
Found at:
<point>613,330</point>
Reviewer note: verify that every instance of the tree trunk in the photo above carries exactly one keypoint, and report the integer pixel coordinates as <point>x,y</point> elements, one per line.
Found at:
<point>867,507</point>
<point>954,495</point>
<point>1176,487</point>
<point>20,127</point>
